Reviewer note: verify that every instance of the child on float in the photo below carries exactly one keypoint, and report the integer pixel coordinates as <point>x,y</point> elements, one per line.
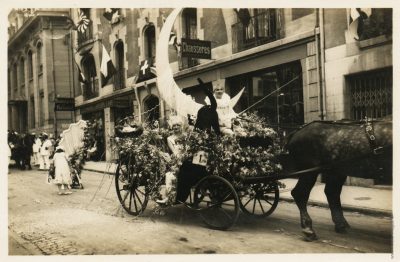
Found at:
<point>62,172</point>
<point>176,124</point>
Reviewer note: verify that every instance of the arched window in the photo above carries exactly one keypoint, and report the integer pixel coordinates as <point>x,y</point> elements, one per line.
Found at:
<point>39,58</point>
<point>152,107</point>
<point>119,77</point>
<point>30,65</point>
<point>150,44</point>
<point>90,89</point>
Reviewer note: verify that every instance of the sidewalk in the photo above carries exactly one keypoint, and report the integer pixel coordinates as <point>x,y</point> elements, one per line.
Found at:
<point>354,198</point>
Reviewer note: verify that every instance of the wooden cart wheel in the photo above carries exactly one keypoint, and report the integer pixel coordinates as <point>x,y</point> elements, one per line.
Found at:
<point>217,202</point>
<point>131,194</point>
<point>261,199</point>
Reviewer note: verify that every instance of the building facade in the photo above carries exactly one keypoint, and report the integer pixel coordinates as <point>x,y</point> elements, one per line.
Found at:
<point>40,71</point>
<point>302,64</point>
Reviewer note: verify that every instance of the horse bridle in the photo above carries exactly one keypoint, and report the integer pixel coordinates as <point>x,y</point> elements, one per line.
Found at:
<point>369,132</point>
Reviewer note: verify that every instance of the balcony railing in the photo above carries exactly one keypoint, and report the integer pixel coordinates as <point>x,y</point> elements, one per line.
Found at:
<point>261,29</point>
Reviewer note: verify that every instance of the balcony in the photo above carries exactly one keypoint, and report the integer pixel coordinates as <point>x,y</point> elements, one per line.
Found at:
<point>262,29</point>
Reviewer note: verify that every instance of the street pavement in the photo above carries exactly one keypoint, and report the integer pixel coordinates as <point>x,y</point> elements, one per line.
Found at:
<point>368,200</point>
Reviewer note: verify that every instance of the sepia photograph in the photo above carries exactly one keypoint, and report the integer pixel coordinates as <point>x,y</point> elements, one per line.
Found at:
<point>199,130</point>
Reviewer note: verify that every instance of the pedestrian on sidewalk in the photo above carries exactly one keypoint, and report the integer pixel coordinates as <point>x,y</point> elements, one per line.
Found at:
<point>36,148</point>
<point>45,153</point>
<point>62,172</point>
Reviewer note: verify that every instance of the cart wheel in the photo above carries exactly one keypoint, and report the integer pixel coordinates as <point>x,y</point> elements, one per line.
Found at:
<point>131,194</point>
<point>261,200</point>
<point>217,202</point>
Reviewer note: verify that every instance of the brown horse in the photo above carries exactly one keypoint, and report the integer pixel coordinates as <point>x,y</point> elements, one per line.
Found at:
<point>339,149</point>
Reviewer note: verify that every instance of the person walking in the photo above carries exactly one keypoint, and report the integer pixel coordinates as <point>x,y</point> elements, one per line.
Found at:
<point>36,148</point>
<point>45,152</point>
<point>62,171</point>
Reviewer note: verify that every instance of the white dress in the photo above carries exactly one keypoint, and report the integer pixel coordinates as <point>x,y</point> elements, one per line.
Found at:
<point>62,173</point>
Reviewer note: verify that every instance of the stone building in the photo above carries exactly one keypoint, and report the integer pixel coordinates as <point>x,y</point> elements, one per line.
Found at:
<point>306,60</point>
<point>40,71</point>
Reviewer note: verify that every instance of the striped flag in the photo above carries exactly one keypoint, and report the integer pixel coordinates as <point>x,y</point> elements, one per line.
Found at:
<point>357,15</point>
<point>107,68</point>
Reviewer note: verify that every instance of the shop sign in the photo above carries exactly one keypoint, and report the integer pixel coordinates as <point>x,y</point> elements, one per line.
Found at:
<point>196,48</point>
<point>64,104</point>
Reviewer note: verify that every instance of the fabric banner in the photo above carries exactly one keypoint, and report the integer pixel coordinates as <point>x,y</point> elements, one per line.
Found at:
<point>107,68</point>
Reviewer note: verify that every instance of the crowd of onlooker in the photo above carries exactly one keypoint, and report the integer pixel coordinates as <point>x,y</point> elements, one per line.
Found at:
<point>31,149</point>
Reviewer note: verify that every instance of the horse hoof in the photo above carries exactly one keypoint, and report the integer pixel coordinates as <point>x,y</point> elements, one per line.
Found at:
<point>309,235</point>
<point>342,229</point>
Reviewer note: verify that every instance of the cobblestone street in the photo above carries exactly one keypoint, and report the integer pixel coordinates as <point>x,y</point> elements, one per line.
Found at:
<point>91,221</point>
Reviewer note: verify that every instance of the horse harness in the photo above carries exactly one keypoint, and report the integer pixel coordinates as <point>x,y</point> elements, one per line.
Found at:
<point>369,132</point>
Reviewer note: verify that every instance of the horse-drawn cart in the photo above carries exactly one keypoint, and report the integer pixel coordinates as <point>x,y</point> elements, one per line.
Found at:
<point>218,198</point>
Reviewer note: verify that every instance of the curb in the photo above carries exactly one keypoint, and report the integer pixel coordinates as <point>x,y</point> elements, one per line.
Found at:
<point>349,208</point>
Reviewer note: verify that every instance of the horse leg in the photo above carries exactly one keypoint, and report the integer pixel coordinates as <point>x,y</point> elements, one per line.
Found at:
<point>333,189</point>
<point>301,194</point>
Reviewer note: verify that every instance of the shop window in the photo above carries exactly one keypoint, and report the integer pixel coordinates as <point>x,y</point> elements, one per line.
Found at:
<point>152,109</point>
<point>90,87</point>
<point>97,133</point>
<point>119,77</point>
<point>378,23</point>
<point>282,109</point>
<point>189,31</point>
<point>255,27</point>
<point>150,44</point>
<point>371,94</point>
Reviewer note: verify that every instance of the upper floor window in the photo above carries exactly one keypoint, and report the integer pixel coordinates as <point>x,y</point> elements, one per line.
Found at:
<point>150,44</point>
<point>90,88</point>
<point>254,27</point>
<point>39,58</point>
<point>119,77</point>
<point>30,65</point>
<point>22,72</point>
<point>189,31</point>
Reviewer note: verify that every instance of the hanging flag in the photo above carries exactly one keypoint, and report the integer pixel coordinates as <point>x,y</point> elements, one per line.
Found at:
<point>84,20</point>
<point>243,15</point>
<point>107,68</point>
<point>78,59</point>
<point>357,15</point>
<point>111,14</point>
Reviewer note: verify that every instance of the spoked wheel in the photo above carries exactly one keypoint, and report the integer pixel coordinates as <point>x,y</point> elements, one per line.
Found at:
<point>131,194</point>
<point>217,202</point>
<point>261,199</point>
